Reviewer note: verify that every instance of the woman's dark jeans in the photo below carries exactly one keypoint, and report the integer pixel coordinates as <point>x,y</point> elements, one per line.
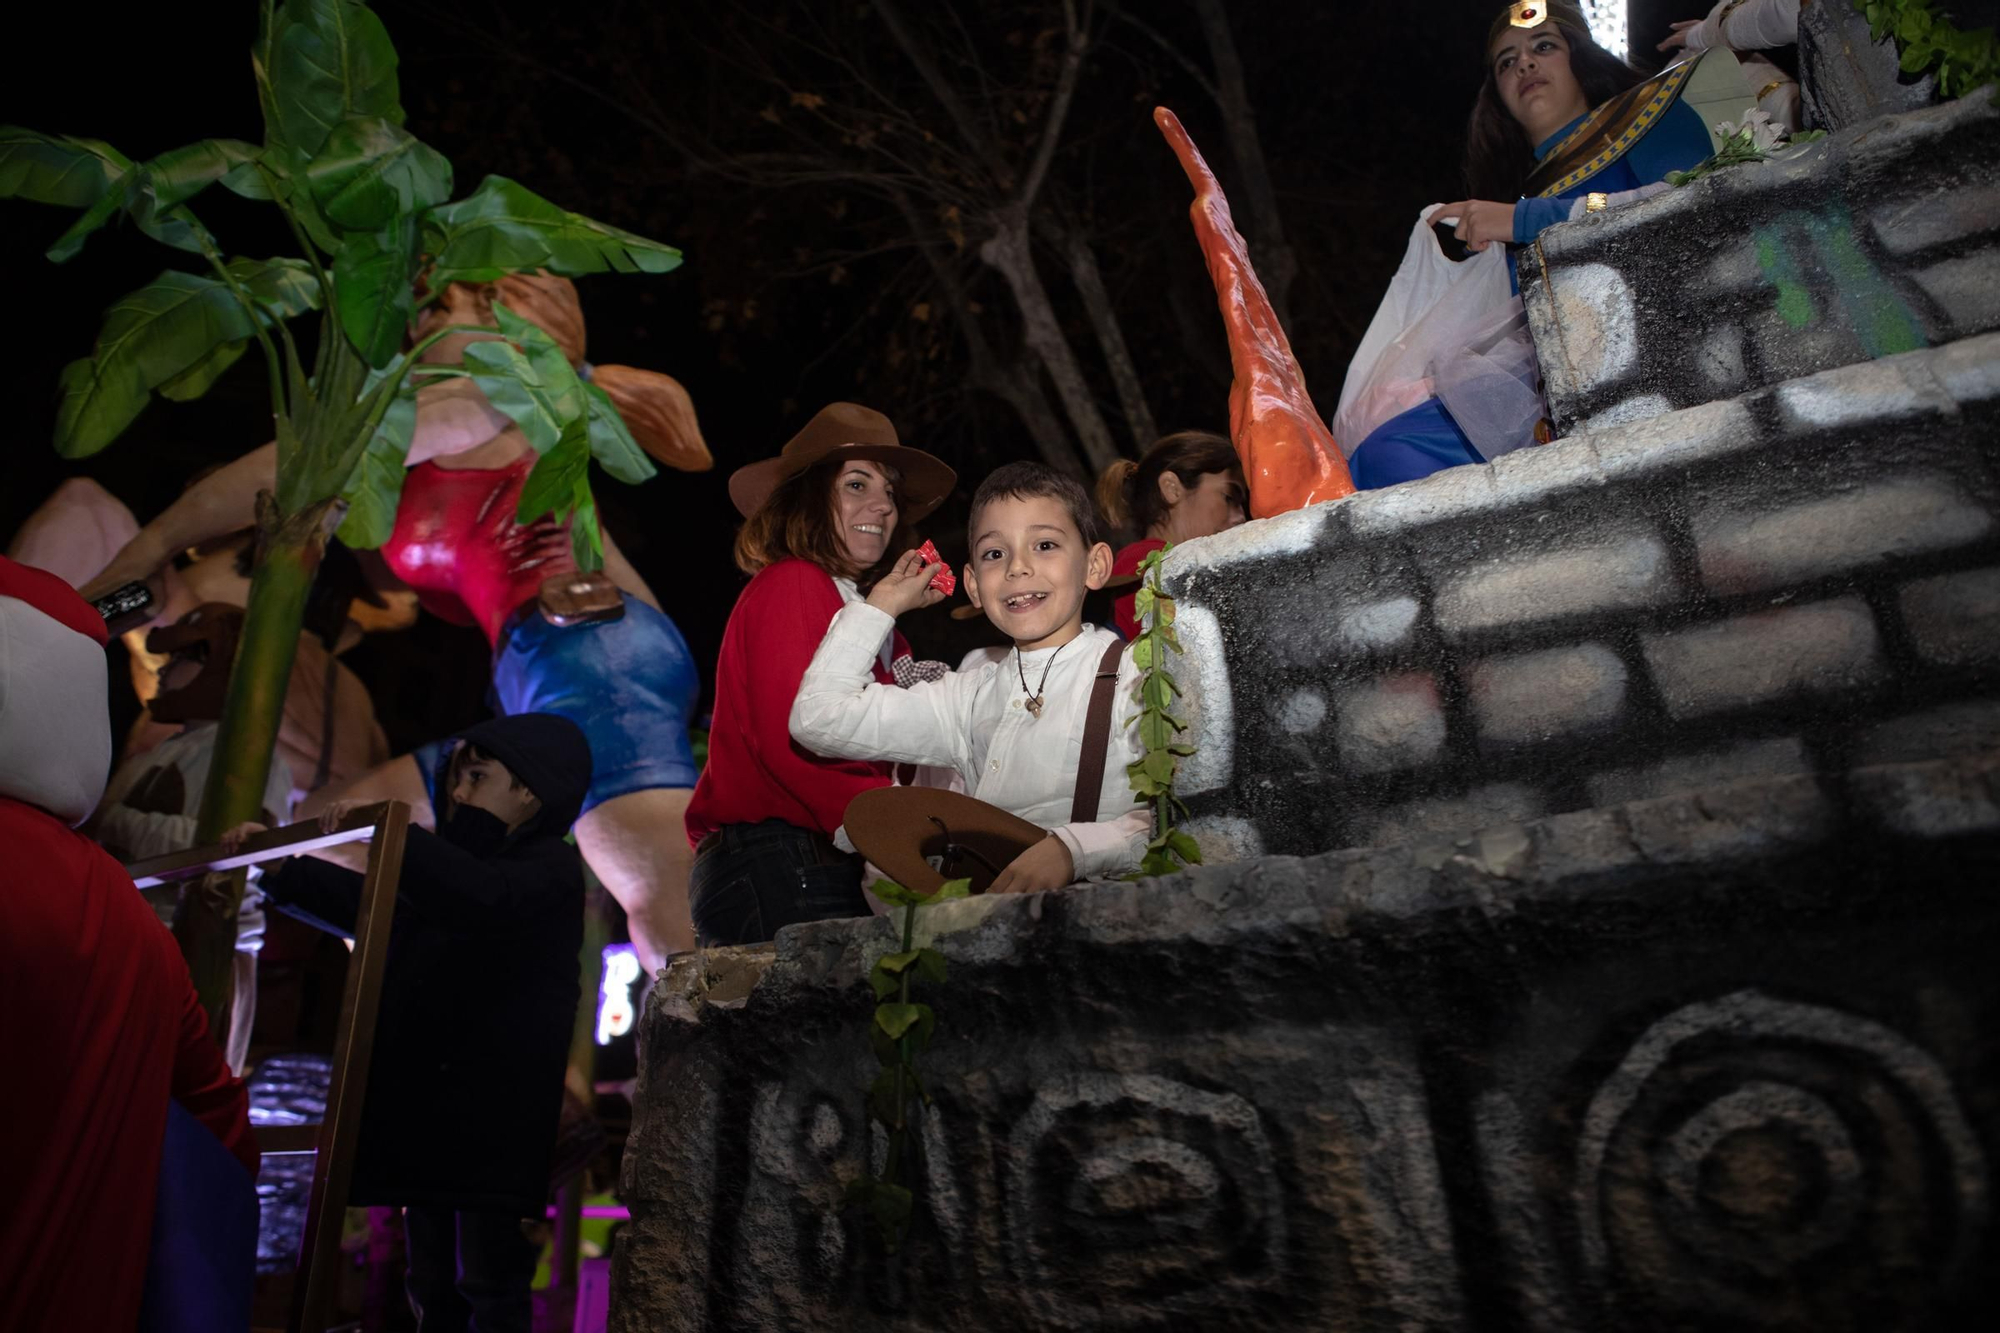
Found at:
<point>750,879</point>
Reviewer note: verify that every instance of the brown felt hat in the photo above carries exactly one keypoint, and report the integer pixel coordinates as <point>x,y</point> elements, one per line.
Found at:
<point>847,430</point>
<point>899,828</point>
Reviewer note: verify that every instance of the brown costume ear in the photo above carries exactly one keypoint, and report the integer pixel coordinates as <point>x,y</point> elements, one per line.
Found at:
<point>659,414</point>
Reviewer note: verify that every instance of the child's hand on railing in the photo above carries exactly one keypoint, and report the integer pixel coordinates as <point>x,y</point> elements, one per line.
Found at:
<point>233,840</point>
<point>336,812</point>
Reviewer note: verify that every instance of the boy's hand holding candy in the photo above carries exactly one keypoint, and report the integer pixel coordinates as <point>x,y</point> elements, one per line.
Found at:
<point>913,582</point>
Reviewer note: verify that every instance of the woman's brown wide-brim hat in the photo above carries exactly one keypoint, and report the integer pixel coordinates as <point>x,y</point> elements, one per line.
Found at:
<point>847,430</point>
<point>900,828</point>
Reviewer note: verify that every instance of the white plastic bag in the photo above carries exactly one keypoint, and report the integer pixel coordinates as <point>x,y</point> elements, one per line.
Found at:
<point>1432,311</point>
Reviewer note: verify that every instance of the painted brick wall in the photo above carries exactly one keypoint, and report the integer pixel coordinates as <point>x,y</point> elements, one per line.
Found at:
<point>1881,239</point>
<point>1799,578</point>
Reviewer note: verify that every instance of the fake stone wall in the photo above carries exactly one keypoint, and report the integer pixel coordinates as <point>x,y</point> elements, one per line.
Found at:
<point>1802,578</point>
<point>1708,1061</point>
<point>1881,239</point>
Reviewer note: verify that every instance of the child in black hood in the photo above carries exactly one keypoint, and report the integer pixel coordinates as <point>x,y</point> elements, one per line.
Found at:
<point>478,1000</point>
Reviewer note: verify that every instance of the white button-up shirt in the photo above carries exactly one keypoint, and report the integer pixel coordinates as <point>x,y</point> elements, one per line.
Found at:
<point>977,723</point>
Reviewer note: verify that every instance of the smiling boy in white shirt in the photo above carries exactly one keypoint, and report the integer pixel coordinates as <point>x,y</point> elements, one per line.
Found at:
<point>1013,729</point>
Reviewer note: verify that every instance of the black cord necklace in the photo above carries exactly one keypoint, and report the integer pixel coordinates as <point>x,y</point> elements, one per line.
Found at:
<point>1035,700</point>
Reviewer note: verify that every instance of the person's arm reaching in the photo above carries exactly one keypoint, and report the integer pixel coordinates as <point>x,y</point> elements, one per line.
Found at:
<point>398,780</point>
<point>842,710</point>
<point>223,502</point>
<point>1740,25</point>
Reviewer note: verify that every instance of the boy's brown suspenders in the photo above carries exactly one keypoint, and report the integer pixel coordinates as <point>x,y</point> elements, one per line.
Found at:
<point>1096,737</point>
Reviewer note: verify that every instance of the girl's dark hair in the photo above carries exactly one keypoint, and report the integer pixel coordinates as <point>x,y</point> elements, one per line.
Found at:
<point>798,520</point>
<point>1498,156</point>
<point>1129,492</point>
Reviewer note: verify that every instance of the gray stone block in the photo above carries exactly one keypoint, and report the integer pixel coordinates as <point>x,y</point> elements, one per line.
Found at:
<point>1697,772</point>
<point>1519,589</point>
<point>1544,695</point>
<point>1710,1060</point>
<point>1865,245</point>
<point>1966,289</point>
<point>1749,660</point>
<point>1490,806</point>
<point>1755,547</point>
<point>1954,212</point>
<point>1954,619</point>
<point>1394,722</point>
<point>1969,726</point>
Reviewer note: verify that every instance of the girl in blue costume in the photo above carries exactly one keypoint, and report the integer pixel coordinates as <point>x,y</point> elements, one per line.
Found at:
<point>1558,118</point>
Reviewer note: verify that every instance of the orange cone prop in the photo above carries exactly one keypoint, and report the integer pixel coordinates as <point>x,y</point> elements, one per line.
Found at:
<point>1289,456</point>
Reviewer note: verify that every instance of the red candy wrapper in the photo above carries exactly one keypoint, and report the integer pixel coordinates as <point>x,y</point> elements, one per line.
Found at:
<point>944,580</point>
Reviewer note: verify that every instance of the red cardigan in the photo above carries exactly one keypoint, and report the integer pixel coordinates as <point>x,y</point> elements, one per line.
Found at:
<point>1127,562</point>
<point>755,770</point>
<point>103,1027</point>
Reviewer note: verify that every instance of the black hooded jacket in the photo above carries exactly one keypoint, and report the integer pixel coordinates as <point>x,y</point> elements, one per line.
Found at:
<point>480,992</point>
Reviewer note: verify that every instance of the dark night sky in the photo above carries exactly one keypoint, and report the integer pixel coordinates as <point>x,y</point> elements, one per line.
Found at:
<point>1360,110</point>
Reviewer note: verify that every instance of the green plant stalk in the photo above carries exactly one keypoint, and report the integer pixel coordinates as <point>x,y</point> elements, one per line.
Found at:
<point>289,551</point>
<point>898,1131</point>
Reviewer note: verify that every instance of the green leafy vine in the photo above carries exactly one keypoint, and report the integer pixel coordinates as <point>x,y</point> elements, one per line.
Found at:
<point>1160,729</point>
<point>899,1031</point>
<point>1929,40</point>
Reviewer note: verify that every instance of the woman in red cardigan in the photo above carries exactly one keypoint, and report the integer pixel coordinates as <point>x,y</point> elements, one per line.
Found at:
<point>1189,484</point>
<point>827,516</point>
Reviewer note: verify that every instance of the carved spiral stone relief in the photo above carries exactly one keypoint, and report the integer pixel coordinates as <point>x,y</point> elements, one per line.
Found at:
<point>1152,1197</point>
<point>1763,1160</point>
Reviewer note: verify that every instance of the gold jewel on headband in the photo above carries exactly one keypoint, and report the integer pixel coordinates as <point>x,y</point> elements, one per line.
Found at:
<point>1528,14</point>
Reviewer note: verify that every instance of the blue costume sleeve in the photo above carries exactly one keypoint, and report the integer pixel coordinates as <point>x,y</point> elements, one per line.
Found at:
<point>1677,142</point>
<point>1532,215</point>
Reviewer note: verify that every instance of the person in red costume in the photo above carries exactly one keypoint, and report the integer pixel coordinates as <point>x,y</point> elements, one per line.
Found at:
<point>628,681</point>
<point>106,1026</point>
<point>1189,484</point>
<point>826,518</point>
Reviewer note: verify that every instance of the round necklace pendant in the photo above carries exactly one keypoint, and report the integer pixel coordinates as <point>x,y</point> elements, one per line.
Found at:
<point>1035,706</point>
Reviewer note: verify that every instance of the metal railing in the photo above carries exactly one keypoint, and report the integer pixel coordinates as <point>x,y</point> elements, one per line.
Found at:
<point>383,828</point>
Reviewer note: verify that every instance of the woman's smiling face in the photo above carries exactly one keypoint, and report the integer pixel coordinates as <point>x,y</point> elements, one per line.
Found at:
<point>864,507</point>
<point>1531,72</point>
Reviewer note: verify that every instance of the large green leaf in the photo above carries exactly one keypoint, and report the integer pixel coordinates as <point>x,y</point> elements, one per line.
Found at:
<point>586,539</point>
<point>372,292</point>
<point>370,170</point>
<point>198,378</point>
<point>57,169</point>
<point>529,379</point>
<point>279,173</point>
<point>322,62</point>
<point>551,486</point>
<point>376,485</point>
<point>504,228</point>
<point>611,442</point>
<point>159,335</point>
<point>152,192</point>
<point>78,173</point>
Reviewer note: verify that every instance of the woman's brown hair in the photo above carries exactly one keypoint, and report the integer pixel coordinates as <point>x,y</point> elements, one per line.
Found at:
<point>1129,492</point>
<point>1498,156</point>
<point>798,521</point>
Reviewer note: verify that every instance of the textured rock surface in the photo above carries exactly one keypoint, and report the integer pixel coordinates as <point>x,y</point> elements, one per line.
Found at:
<point>1697,1062</point>
<point>1881,239</point>
<point>1846,77</point>
<point>1787,580</point>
